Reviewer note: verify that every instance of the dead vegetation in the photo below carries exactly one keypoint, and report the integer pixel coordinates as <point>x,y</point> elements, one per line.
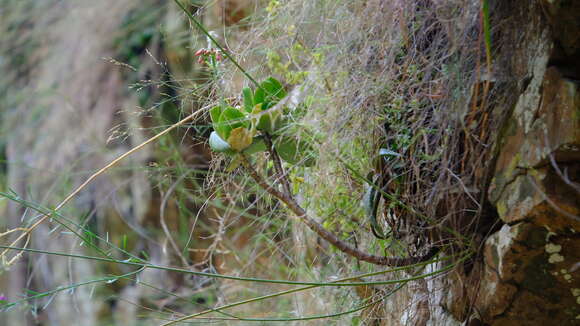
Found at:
<point>409,77</point>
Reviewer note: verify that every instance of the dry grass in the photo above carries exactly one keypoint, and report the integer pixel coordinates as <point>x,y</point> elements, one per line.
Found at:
<point>404,76</point>
<point>408,76</point>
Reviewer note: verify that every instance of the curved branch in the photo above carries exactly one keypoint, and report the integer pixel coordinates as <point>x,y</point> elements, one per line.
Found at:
<point>328,236</point>
<point>278,165</point>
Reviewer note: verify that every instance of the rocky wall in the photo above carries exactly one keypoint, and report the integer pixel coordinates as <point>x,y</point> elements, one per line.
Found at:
<point>530,270</point>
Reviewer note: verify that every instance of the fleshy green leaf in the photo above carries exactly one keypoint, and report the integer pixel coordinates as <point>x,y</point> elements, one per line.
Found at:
<point>274,89</point>
<point>269,93</point>
<point>281,123</point>
<point>230,119</point>
<point>236,161</point>
<point>215,113</point>
<point>259,96</point>
<point>267,121</point>
<point>258,145</point>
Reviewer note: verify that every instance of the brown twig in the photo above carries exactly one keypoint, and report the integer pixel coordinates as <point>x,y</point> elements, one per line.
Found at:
<point>326,235</point>
<point>277,165</point>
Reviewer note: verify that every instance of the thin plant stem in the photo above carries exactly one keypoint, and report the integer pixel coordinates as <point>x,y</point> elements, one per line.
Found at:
<point>348,312</point>
<point>277,164</point>
<point>413,278</point>
<point>138,263</point>
<point>108,279</point>
<point>217,44</point>
<point>116,161</point>
<point>291,203</point>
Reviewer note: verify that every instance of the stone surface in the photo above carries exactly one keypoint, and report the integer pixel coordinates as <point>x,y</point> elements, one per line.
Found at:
<point>563,18</point>
<point>544,129</point>
<point>496,296</point>
<point>528,276</point>
<point>530,266</point>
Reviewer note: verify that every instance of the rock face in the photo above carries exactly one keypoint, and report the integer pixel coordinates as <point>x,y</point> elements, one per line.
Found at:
<point>529,273</point>
<point>530,269</point>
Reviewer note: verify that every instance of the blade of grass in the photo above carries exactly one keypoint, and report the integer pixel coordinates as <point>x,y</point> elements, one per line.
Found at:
<point>73,286</point>
<point>96,174</point>
<point>298,290</point>
<point>486,31</point>
<point>130,262</point>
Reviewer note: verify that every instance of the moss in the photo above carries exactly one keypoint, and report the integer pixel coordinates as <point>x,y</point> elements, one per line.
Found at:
<point>495,256</point>
<point>502,208</point>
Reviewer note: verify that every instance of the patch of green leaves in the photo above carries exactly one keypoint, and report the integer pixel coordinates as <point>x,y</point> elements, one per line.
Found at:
<point>242,129</point>
<point>295,151</point>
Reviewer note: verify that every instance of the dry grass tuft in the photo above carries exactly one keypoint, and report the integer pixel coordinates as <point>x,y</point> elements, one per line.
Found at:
<point>405,76</point>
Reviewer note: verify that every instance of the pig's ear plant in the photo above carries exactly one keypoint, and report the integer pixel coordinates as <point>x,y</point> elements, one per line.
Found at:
<point>259,125</point>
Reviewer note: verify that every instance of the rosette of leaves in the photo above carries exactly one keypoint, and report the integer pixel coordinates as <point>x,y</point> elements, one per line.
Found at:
<point>242,129</point>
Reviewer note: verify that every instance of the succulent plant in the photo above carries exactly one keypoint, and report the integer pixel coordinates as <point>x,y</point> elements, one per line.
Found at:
<point>242,129</point>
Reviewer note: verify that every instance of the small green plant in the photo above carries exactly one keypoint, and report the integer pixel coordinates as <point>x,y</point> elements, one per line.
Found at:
<point>260,125</point>
<point>262,117</point>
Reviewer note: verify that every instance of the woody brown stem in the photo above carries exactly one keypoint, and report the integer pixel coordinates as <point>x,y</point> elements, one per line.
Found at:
<point>289,201</point>
<point>277,164</point>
